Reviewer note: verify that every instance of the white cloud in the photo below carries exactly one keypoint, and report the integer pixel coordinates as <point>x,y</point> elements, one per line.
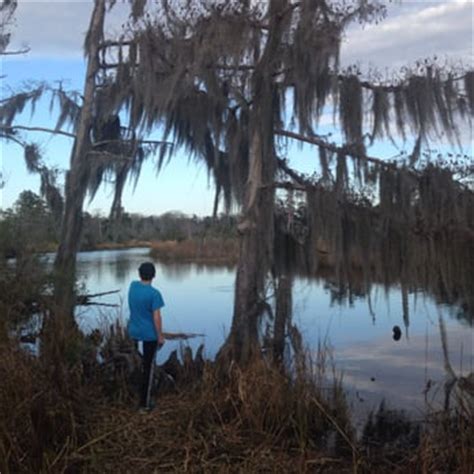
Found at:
<point>412,30</point>
<point>57,28</point>
<point>419,30</point>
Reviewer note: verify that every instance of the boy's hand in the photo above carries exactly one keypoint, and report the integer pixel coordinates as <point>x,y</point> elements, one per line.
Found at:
<point>161,340</point>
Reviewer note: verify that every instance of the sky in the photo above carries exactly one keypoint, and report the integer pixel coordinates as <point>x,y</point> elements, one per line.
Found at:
<point>54,31</point>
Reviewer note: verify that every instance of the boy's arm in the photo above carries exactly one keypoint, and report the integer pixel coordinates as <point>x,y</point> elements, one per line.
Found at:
<point>158,326</point>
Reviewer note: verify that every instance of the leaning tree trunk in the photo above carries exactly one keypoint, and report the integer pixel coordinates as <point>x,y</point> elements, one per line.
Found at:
<point>77,177</point>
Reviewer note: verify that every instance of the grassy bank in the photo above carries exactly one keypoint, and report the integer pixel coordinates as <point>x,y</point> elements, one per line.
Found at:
<point>208,250</point>
<point>129,244</point>
<point>255,419</point>
<point>215,250</point>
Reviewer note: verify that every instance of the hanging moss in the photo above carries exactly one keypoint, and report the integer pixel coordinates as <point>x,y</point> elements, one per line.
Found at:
<point>380,113</point>
<point>138,9</point>
<point>350,109</point>
<point>49,190</point>
<point>444,108</point>
<point>416,153</point>
<point>341,173</point>
<point>324,161</point>
<point>400,114</point>
<point>469,88</point>
<point>14,105</point>
<point>32,156</point>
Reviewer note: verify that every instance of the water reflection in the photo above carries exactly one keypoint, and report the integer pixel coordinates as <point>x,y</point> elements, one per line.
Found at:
<point>409,374</point>
<point>177,271</point>
<point>199,299</point>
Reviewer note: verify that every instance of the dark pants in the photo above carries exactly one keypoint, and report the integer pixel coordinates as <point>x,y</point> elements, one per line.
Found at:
<point>148,362</point>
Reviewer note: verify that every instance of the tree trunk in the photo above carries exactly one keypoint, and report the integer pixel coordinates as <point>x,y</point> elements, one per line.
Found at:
<point>255,258</point>
<point>257,226</point>
<point>77,177</point>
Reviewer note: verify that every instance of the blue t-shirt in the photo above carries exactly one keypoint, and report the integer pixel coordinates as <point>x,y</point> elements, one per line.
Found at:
<point>143,300</point>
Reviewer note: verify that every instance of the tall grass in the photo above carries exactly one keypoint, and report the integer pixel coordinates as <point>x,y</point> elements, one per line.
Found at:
<point>208,250</point>
<point>253,419</point>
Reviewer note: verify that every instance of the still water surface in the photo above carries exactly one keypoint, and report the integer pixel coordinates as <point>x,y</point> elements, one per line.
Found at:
<point>199,299</point>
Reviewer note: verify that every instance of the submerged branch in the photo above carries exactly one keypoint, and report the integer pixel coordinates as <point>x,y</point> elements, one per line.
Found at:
<point>103,293</point>
<point>172,336</point>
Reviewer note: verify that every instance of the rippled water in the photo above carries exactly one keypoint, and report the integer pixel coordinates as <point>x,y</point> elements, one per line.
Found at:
<point>199,299</point>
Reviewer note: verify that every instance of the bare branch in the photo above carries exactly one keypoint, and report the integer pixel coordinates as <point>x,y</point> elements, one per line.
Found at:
<point>347,150</point>
<point>112,43</point>
<point>8,136</point>
<point>14,53</point>
<point>39,129</point>
<point>110,155</point>
<point>389,87</point>
<point>302,182</point>
<point>287,185</point>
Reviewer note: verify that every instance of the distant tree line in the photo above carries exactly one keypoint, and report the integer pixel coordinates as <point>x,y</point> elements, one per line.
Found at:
<point>168,226</point>
<point>29,225</point>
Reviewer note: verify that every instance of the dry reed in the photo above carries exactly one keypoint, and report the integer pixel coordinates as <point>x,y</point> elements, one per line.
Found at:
<point>207,250</point>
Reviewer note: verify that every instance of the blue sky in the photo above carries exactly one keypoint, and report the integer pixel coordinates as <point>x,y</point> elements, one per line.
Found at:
<point>55,31</point>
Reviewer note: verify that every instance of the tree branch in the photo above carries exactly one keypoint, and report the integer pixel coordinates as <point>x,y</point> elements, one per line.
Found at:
<point>302,182</point>
<point>39,129</point>
<point>112,156</point>
<point>13,53</point>
<point>388,88</point>
<point>132,142</point>
<point>5,131</point>
<point>113,43</point>
<point>346,150</point>
<point>8,136</point>
<point>290,186</point>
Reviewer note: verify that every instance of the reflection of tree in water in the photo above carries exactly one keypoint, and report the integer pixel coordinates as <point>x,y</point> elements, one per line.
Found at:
<point>93,266</point>
<point>399,242</point>
<point>180,270</point>
<point>355,246</point>
<point>123,267</point>
<point>174,271</point>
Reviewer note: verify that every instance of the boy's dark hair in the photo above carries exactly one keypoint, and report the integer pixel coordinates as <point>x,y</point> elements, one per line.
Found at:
<point>147,271</point>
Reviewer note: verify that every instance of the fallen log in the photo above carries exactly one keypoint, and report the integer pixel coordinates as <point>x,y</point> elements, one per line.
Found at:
<point>174,336</point>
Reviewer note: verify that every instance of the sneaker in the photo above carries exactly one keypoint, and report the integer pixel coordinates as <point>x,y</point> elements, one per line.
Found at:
<point>146,409</point>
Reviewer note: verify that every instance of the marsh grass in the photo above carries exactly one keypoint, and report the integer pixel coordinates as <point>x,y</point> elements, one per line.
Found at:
<point>233,419</point>
<point>208,250</point>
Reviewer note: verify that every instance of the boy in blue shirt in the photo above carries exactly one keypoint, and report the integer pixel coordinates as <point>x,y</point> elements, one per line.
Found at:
<point>145,324</point>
